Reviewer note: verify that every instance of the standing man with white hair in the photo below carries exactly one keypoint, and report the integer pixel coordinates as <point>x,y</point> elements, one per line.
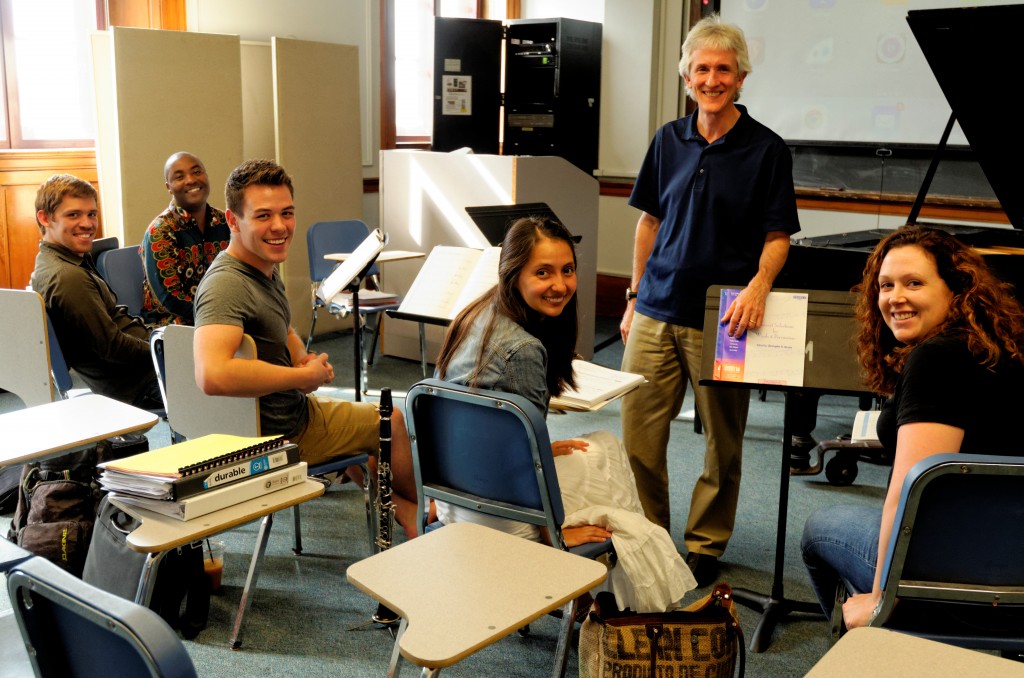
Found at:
<point>717,207</point>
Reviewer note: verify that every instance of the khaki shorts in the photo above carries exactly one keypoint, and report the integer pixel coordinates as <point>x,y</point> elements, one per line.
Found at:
<point>338,428</point>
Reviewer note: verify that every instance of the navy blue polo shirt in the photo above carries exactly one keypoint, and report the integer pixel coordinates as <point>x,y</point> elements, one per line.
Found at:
<point>716,202</point>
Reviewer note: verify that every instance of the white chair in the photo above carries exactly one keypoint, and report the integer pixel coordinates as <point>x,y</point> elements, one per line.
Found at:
<point>24,333</point>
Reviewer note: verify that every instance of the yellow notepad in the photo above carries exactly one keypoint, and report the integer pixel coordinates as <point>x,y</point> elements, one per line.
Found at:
<point>194,456</point>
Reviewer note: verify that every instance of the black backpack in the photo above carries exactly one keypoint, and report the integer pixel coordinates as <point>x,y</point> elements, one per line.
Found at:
<point>181,594</point>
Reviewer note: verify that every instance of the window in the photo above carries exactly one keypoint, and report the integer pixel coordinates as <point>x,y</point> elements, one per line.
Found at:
<point>407,103</point>
<point>46,79</point>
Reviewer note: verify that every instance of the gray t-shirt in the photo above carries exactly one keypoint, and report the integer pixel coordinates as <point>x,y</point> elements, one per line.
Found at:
<point>234,293</point>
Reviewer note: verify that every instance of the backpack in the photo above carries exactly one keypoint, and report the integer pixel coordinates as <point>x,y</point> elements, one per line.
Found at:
<point>181,594</point>
<point>57,501</point>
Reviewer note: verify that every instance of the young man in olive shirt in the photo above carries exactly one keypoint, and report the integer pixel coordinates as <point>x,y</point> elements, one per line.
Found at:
<point>100,340</point>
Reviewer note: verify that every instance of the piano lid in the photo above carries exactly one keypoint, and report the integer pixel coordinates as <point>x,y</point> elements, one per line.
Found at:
<point>975,54</point>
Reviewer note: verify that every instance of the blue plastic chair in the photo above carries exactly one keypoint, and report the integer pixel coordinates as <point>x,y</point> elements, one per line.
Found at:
<point>489,452</point>
<point>74,629</point>
<point>955,561</point>
<point>123,270</point>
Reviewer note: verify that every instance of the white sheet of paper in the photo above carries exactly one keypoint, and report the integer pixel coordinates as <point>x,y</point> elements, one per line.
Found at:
<point>442,287</point>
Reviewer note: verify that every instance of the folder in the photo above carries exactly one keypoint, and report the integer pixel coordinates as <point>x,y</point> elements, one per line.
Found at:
<point>195,456</point>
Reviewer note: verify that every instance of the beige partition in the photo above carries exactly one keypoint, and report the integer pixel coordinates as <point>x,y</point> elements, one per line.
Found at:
<point>423,197</point>
<point>316,110</point>
<point>257,100</point>
<point>158,92</point>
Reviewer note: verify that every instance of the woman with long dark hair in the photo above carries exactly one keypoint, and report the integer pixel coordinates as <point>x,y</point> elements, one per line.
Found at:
<point>520,337</point>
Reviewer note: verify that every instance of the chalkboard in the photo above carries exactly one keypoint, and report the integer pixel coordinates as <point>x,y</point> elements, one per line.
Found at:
<point>885,169</point>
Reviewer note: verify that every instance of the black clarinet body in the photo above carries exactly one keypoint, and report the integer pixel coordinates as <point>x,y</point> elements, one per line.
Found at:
<point>384,505</point>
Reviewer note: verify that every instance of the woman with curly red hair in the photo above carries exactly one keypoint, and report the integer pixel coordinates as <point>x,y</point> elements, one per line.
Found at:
<point>942,336</point>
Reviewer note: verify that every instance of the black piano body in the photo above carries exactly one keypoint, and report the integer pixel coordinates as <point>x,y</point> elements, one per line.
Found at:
<point>971,51</point>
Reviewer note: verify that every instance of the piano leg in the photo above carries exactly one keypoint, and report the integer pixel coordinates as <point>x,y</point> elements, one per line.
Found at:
<point>774,606</point>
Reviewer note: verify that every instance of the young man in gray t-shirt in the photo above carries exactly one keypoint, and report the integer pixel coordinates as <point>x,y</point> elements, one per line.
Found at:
<point>242,293</point>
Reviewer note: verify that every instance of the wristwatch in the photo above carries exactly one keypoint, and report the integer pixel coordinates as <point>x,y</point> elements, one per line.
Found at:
<point>630,294</point>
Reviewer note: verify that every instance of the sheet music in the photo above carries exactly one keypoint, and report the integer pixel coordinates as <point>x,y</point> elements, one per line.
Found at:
<point>449,280</point>
<point>347,270</point>
<point>483,277</point>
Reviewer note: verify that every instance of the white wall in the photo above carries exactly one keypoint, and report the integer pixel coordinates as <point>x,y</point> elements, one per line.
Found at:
<point>639,85</point>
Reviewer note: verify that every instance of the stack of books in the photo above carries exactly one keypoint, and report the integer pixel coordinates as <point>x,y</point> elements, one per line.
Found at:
<point>203,475</point>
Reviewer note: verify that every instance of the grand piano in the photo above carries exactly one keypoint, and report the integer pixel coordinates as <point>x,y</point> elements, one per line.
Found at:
<point>974,53</point>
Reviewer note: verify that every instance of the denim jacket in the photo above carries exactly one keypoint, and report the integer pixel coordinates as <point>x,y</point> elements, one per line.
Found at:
<point>514,362</point>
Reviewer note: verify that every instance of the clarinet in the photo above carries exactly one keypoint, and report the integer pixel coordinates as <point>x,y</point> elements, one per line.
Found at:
<point>385,507</point>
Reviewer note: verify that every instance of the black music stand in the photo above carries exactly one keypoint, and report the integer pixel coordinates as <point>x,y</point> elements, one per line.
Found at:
<point>830,366</point>
<point>349,276</point>
<point>357,340</point>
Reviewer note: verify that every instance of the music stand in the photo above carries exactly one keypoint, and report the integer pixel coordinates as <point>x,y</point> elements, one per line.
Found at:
<point>494,220</point>
<point>349,276</point>
<point>830,366</point>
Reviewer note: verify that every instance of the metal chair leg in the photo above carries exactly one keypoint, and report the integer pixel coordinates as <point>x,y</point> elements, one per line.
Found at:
<point>564,638</point>
<point>423,349</point>
<point>297,518</point>
<point>395,665</point>
<point>250,580</point>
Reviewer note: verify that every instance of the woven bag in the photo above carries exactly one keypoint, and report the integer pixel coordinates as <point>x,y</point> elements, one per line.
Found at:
<point>703,640</point>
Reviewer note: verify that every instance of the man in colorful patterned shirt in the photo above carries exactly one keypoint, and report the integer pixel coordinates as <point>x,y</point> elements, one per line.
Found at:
<point>181,243</point>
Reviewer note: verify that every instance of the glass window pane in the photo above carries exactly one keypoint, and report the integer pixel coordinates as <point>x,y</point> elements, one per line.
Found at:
<point>53,68</point>
<point>414,67</point>
<point>3,116</point>
<point>458,8</point>
<point>414,61</point>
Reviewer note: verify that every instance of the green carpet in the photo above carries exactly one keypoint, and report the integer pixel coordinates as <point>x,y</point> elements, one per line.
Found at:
<point>306,620</point>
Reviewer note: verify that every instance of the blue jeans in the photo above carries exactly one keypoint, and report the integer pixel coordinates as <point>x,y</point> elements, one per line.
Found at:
<point>840,544</point>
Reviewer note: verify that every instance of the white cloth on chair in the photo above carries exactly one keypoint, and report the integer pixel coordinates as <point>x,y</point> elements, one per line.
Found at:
<point>598,489</point>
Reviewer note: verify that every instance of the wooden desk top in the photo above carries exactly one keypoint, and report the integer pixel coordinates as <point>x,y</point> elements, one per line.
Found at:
<point>159,532</point>
<point>52,428</point>
<point>880,652</point>
<point>383,257</point>
<point>475,585</point>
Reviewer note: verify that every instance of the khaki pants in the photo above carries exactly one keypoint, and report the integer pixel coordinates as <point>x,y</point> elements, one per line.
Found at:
<point>338,428</point>
<point>669,356</point>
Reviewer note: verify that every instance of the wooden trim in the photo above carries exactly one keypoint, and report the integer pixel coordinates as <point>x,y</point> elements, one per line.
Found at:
<point>954,208</point>
<point>611,295</point>
<point>21,172</point>
<point>513,10</point>
<point>388,130</point>
<point>899,204</point>
<point>616,188</point>
<point>172,15</point>
<point>64,160</point>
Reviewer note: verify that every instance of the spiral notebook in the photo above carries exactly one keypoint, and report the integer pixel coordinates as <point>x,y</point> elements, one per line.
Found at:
<point>194,456</point>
